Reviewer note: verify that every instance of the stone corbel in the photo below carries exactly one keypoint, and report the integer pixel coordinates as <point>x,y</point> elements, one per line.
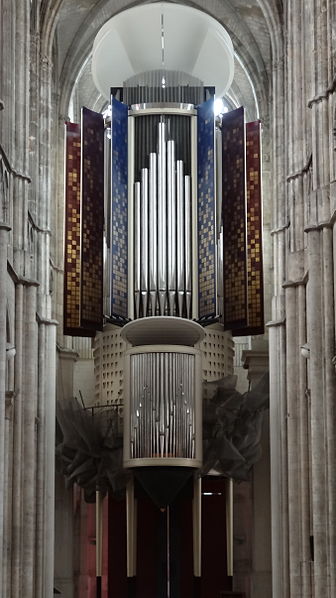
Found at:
<point>256,362</point>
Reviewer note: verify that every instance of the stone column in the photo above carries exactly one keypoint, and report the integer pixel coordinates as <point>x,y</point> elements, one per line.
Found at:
<point>318,446</point>
<point>18,432</point>
<point>278,458</point>
<point>256,362</point>
<point>29,440</point>
<point>292,350</point>
<point>8,494</point>
<point>4,228</point>
<point>49,465</point>
<point>64,508</point>
<point>45,491</point>
<point>303,444</point>
<point>330,394</point>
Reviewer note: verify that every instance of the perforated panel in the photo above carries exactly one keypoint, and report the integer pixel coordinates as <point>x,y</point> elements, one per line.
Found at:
<point>217,354</point>
<point>109,349</point>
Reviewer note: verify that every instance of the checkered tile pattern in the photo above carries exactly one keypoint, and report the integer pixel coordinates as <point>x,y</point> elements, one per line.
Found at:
<point>92,219</point>
<point>72,275</point>
<point>206,211</point>
<point>119,286</point>
<point>254,232</point>
<point>234,220</point>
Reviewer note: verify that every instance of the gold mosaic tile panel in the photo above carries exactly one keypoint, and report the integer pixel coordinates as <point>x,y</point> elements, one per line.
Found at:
<point>72,274</point>
<point>92,219</point>
<point>254,232</point>
<point>234,220</point>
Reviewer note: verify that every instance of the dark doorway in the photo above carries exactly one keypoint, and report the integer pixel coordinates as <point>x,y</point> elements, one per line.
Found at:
<point>152,546</point>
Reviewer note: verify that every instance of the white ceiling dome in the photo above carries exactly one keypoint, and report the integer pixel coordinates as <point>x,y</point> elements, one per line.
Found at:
<point>162,35</point>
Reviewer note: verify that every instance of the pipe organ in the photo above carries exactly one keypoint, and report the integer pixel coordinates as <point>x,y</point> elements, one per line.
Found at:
<point>163,236</point>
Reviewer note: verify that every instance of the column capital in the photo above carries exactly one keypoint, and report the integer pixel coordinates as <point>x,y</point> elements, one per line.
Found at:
<point>256,362</point>
<point>67,354</point>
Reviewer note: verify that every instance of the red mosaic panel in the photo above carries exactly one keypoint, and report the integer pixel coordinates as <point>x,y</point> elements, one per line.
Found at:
<point>72,274</point>
<point>234,220</point>
<point>92,219</point>
<point>255,291</point>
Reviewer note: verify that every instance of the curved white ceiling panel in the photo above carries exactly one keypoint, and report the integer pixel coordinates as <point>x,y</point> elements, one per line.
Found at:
<point>162,35</point>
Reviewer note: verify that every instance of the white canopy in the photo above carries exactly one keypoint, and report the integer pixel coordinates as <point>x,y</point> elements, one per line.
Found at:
<point>162,35</point>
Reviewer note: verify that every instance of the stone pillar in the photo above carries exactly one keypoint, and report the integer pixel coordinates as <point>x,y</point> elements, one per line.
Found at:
<point>45,491</point>
<point>8,494</point>
<point>4,228</point>
<point>278,458</point>
<point>18,433</point>
<point>304,472</point>
<point>329,377</point>
<point>64,507</point>
<point>256,362</point>
<point>292,437</point>
<point>28,456</point>
<point>318,445</point>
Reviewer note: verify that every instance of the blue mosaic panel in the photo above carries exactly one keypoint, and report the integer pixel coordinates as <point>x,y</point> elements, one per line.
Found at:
<point>206,210</point>
<point>92,219</point>
<point>119,209</point>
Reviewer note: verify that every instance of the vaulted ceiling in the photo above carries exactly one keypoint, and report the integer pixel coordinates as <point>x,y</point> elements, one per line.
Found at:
<point>253,25</point>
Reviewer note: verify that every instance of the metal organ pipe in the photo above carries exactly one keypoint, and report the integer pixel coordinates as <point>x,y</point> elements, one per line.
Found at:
<point>163,228</point>
<point>171,223</point>
<point>162,405</point>
<point>187,243</point>
<point>180,235</point>
<point>137,248</point>
<point>144,239</point>
<point>162,219</point>
<point>153,231</point>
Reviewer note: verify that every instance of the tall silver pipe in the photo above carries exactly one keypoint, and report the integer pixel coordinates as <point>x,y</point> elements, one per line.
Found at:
<point>178,412</point>
<point>152,231</point>
<point>132,422</point>
<point>167,406</point>
<point>162,400</point>
<point>180,235</point>
<point>194,216</point>
<point>171,403</point>
<point>137,249</point>
<point>220,273</point>
<point>146,411</point>
<point>173,366</point>
<point>171,223</point>
<point>186,400</point>
<point>144,240</point>
<point>187,243</point>
<point>193,414</point>
<point>157,406</point>
<point>162,218</point>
